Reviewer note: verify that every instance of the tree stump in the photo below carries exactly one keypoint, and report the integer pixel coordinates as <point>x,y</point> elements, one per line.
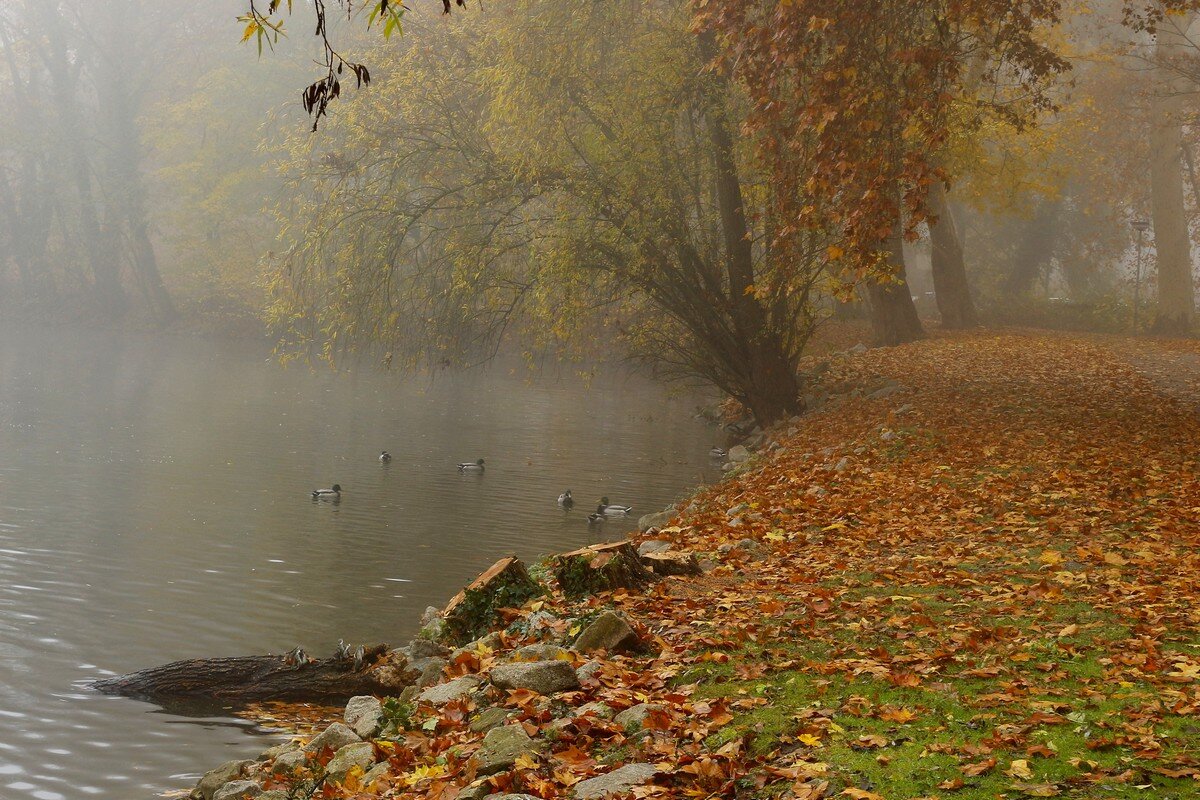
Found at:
<point>476,609</point>
<point>246,679</point>
<point>601,568</point>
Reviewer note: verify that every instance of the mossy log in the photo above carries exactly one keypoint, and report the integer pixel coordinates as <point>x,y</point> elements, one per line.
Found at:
<point>246,679</point>
<point>476,609</point>
<point>601,568</point>
<point>671,562</point>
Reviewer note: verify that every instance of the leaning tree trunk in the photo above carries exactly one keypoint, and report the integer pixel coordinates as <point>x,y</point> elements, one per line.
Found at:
<point>1176,305</point>
<point>949,267</point>
<point>246,679</point>
<point>893,314</point>
<point>769,383</point>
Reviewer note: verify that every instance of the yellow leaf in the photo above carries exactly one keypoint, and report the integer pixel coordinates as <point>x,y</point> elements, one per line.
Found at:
<point>1020,769</point>
<point>809,739</point>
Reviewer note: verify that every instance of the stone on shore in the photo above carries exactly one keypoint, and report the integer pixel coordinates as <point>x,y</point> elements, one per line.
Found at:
<point>450,690</point>
<point>619,781</point>
<point>238,790</point>
<point>359,754</point>
<point>633,719</point>
<point>501,749</point>
<point>540,652</point>
<point>364,716</point>
<point>611,632</point>
<point>543,677</point>
<point>739,454</point>
<point>335,737</point>
<point>216,778</point>
<point>658,520</point>
<point>289,762</point>
<point>489,718</point>
<point>653,546</point>
<point>375,773</point>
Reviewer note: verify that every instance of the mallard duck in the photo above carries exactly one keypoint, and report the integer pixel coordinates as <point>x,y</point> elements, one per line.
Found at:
<point>596,519</point>
<point>385,457</point>
<point>332,493</point>
<point>717,452</point>
<point>565,500</point>
<point>468,466</point>
<point>612,510</point>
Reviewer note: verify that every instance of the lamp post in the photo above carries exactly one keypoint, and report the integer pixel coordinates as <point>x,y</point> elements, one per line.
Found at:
<point>1141,226</point>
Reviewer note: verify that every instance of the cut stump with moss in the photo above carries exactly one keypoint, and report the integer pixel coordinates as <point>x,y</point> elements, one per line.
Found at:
<point>601,568</point>
<point>476,609</point>
<point>671,562</point>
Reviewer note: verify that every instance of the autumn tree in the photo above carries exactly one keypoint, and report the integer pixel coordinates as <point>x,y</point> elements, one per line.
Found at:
<point>876,83</point>
<point>550,167</point>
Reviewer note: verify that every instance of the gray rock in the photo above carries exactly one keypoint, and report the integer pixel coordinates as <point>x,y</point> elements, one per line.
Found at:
<point>431,670</point>
<point>359,754</point>
<point>289,762</point>
<point>886,391</point>
<point>364,716</point>
<point>543,677</point>
<point>589,671</point>
<point>738,454</point>
<point>740,508</point>
<point>489,718</point>
<point>619,781</point>
<point>904,409</point>
<point>423,648</point>
<point>658,520</point>
<point>409,694</point>
<point>432,614</point>
<point>238,790</point>
<point>610,632</point>
<point>492,642</point>
<point>451,690</point>
<point>501,749</point>
<point>595,709</point>
<point>633,719</point>
<point>540,652</point>
<point>858,349</point>
<point>335,737</point>
<point>475,791</point>
<point>842,465</point>
<point>745,549</point>
<point>653,546</point>
<point>272,753</point>
<point>539,622</point>
<point>216,778</point>
<point>375,773</point>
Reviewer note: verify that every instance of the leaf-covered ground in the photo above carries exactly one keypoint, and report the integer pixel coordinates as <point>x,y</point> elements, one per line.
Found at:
<point>982,586</point>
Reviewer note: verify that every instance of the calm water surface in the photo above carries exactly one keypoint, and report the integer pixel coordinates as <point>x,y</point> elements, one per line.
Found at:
<point>153,506</point>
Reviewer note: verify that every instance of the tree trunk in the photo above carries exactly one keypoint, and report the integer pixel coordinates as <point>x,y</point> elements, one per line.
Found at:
<point>601,568</point>
<point>769,383</point>
<point>245,679</point>
<point>893,315</point>
<point>1176,304</point>
<point>949,267</point>
<point>98,243</point>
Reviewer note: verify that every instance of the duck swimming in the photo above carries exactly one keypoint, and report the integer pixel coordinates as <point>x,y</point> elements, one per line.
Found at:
<point>565,500</point>
<point>332,493</point>
<point>468,466</point>
<point>385,457</point>
<point>611,509</point>
<point>717,452</point>
<point>596,519</point>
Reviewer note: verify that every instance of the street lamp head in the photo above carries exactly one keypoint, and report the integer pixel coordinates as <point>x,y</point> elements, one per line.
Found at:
<point>1140,225</point>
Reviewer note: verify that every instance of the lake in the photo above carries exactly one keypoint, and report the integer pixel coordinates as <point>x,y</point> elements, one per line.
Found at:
<point>154,505</point>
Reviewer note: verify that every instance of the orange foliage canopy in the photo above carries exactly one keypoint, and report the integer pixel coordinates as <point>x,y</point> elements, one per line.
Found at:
<point>852,102</point>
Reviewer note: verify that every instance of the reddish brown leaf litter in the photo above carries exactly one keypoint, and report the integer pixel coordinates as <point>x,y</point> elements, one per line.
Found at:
<point>982,585</point>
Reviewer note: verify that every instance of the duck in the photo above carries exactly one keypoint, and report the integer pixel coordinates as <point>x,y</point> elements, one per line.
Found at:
<point>385,457</point>
<point>468,466</point>
<point>717,452</point>
<point>332,493</point>
<point>611,509</point>
<point>596,519</point>
<point>565,500</point>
